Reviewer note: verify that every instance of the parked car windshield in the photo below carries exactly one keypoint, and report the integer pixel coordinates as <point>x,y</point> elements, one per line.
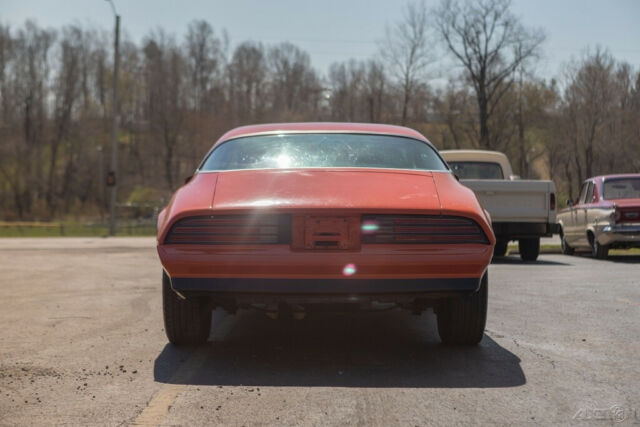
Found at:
<point>328,150</point>
<point>624,188</point>
<point>477,170</point>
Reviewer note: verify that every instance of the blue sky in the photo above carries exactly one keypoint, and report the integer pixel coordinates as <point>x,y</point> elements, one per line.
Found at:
<point>335,30</point>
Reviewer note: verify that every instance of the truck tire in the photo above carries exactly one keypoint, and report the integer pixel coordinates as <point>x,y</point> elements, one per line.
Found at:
<point>599,251</point>
<point>529,248</point>
<point>500,249</point>
<point>186,321</point>
<point>566,249</point>
<point>462,320</point>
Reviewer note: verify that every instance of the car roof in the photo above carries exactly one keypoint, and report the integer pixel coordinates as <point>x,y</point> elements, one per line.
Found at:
<point>320,127</point>
<point>479,155</point>
<point>613,176</point>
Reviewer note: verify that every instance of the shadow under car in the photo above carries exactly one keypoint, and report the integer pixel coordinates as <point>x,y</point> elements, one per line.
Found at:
<point>371,349</point>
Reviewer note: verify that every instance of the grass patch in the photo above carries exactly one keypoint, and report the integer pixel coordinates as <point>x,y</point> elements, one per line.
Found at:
<point>513,247</point>
<point>632,251</point>
<point>556,249</point>
<point>73,229</point>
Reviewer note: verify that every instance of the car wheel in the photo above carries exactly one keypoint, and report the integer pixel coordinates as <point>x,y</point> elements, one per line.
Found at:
<point>462,320</point>
<point>500,249</point>
<point>566,249</point>
<point>186,321</point>
<point>599,251</point>
<point>529,249</point>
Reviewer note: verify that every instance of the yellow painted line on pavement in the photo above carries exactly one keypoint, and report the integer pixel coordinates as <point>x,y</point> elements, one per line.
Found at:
<point>159,405</point>
<point>628,301</point>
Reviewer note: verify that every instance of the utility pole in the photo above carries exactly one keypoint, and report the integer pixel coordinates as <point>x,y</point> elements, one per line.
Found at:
<point>101,182</point>
<point>112,179</point>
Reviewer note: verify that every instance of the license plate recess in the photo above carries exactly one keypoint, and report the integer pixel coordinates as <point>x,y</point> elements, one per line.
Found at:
<point>326,233</point>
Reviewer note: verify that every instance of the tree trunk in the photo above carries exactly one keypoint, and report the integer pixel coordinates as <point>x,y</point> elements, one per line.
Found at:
<point>405,104</point>
<point>483,116</point>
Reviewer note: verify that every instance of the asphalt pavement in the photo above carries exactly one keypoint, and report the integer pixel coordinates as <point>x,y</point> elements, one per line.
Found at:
<point>82,342</point>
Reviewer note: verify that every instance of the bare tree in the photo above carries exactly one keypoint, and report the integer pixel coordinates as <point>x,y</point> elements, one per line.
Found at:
<point>247,82</point>
<point>346,81</point>
<point>205,58</point>
<point>491,43</point>
<point>589,98</point>
<point>294,84</point>
<point>6,56</point>
<point>165,70</point>
<point>67,89</point>
<point>600,121</point>
<point>536,104</point>
<point>408,50</point>
<point>375,89</point>
<point>24,93</point>
<point>177,97</point>
<point>453,107</point>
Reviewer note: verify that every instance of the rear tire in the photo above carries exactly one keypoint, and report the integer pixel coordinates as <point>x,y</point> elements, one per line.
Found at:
<point>461,321</point>
<point>566,249</point>
<point>599,251</point>
<point>186,321</point>
<point>500,248</point>
<point>529,248</point>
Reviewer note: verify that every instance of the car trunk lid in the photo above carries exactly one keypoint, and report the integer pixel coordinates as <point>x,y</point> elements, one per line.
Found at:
<point>338,191</point>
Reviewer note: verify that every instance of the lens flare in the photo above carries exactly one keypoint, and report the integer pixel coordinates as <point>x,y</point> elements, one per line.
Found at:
<point>349,270</point>
<point>370,227</point>
<point>283,160</point>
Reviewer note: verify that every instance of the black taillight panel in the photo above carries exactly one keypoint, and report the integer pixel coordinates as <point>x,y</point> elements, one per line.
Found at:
<point>421,229</point>
<point>231,230</point>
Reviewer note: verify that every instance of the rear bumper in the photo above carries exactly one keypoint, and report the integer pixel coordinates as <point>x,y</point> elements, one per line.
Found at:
<point>620,235</point>
<point>518,230</point>
<point>280,263</point>
<point>324,286</point>
<point>361,293</point>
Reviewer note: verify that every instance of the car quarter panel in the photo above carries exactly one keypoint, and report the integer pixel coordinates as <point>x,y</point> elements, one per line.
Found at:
<point>458,200</point>
<point>192,199</point>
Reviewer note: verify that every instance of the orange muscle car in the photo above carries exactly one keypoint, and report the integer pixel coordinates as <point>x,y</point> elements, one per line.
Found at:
<point>289,218</point>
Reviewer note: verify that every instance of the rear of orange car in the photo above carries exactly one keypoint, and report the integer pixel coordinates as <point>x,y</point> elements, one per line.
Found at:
<point>296,221</point>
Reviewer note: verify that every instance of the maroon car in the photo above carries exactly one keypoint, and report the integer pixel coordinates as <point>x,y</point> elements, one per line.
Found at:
<point>605,216</point>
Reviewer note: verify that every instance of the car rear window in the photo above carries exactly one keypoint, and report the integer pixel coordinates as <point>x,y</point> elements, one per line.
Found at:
<point>477,170</point>
<point>625,188</point>
<point>328,150</point>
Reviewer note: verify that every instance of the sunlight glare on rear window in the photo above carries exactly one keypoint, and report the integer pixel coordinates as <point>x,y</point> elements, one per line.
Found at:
<point>328,150</point>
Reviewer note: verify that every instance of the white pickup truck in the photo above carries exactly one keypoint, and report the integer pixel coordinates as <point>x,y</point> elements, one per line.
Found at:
<point>522,210</point>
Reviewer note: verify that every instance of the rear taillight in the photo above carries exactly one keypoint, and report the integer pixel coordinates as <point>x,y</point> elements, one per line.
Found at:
<point>231,230</point>
<point>627,214</point>
<point>420,229</point>
<point>616,215</point>
<point>631,216</point>
<point>552,201</point>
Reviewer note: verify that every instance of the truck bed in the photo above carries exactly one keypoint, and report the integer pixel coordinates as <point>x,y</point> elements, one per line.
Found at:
<point>514,201</point>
